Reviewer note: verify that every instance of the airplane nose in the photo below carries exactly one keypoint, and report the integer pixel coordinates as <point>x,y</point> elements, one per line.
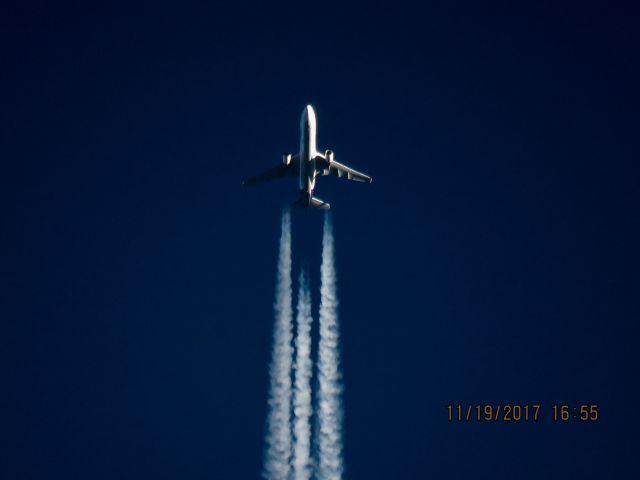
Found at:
<point>308,115</point>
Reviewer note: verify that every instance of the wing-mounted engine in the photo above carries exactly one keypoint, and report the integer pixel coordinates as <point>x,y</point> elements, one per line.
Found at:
<point>323,163</point>
<point>286,158</point>
<point>328,165</point>
<point>329,156</point>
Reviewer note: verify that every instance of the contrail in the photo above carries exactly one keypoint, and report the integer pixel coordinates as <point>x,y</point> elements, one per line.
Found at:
<point>302,390</point>
<point>278,440</point>
<point>329,431</point>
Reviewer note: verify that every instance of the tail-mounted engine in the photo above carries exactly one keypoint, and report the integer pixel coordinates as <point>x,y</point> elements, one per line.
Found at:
<point>286,158</point>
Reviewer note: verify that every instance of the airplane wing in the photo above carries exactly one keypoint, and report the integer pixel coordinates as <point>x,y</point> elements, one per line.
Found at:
<point>337,169</point>
<point>280,171</point>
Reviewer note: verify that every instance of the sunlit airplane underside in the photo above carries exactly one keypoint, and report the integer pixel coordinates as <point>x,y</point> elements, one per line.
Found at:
<point>308,164</point>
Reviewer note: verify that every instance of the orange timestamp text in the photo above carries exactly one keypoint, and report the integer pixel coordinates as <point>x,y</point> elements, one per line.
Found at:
<point>515,412</point>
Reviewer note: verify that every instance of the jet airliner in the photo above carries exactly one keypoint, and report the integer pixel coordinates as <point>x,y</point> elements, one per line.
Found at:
<point>308,164</point>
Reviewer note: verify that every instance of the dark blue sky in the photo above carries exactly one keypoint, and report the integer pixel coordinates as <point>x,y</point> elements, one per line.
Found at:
<point>493,259</point>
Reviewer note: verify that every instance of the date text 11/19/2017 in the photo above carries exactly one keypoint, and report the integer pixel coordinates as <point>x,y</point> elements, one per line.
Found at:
<point>513,412</point>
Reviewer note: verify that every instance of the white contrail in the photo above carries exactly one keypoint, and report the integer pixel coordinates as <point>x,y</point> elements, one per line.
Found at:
<point>329,431</point>
<point>278,441</point>
<point>302,387</point>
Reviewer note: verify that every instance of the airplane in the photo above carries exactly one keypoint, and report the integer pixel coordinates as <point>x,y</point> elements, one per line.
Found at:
<point>308,164</point>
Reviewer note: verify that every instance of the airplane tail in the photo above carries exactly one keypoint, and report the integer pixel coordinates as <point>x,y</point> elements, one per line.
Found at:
<point>308,201</point>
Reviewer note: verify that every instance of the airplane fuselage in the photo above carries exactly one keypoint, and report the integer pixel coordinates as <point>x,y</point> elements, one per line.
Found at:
<point>307,151</point>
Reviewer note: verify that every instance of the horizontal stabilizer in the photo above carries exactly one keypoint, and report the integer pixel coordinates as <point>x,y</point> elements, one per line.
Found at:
<point>310,202</point>
<point>317,203</point>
